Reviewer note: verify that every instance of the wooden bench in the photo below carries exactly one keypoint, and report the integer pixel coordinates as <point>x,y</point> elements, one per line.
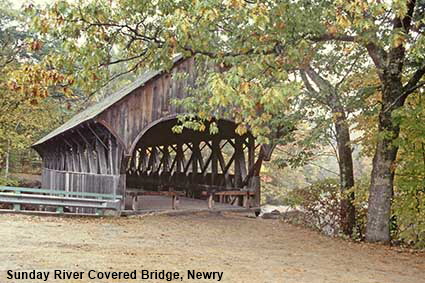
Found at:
<point>231,193</point>
<point>134,194</point>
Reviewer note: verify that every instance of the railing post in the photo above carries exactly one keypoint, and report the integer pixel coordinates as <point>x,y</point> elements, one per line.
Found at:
<point>99,212</point>
<point>16,206</point>
<point>211,200</point>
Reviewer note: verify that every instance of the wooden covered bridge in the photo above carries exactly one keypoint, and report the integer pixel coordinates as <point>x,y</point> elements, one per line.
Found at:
<point>125,146</point>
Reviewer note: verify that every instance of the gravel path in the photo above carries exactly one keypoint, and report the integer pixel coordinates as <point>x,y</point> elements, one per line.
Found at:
<point>244,249</point>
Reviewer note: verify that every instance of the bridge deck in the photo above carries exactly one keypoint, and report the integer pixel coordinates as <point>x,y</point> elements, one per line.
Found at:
<point>152,203</point>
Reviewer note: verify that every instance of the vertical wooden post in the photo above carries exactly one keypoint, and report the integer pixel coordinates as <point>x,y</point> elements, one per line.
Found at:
<point>240,165</point>
<point>166,158</point>
<point>152,160</point>
<point>93,168</point>
<point>246,200</point>
<point>251,151</point>
<point>69,163</point>
<point>111,159</point>
<point>101,155</point>
<point>179,158</point>
<point>256,185</point>
<point>215,148</point>
<point>195,156</point>
<point>75,159</point>
<point>83,158</point>
<point>210,200</point>
<point>175,201</point>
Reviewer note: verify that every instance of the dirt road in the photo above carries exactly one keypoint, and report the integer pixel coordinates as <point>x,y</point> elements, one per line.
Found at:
<point>244,249</point>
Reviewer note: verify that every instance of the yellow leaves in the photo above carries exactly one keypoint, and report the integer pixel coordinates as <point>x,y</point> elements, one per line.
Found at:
<point>44,26</point>
<point>203,115</point>
<point>332,29</point>
<point>398,39</point>
<point>13,86</point>
<point>70,80</point>
<point>271,96</point>
<point>264,38</point>
<point>202,127</point>
<point>281,25</point>
<point>35,81</point>
<point>60,20</point>
<point>168,22</point>
<point>265,117</point>
<point>357,7</point>
<point>336,116</point>
<point>222,93</point>
<point>399,7</point>
<point>241,129</point>
<point>343,22</point>
<point>348,49</point>
<point>209,14</point>
<point>235,3</point>
<point>172,41</point>
<point>393,166</point>
<point>95,77</point>
<point>34,102</point>
<point>39,91</point>
<point>184,26</point>
<point>67,91</point>
<point>245,87</point>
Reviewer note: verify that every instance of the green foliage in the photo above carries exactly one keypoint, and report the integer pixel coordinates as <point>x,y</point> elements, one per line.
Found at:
<point>409,195</point>
<point>9,181</point>
<point>26,112</point>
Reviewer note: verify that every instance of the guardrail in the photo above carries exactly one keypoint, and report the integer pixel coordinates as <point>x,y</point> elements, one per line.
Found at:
<point>18,196</point>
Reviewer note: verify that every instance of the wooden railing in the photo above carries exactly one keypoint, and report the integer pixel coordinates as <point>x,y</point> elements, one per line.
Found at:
<point>82,182</point>
<point>60,200</point>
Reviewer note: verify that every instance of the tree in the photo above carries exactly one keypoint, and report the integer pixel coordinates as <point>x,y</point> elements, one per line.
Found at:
<point>336,99</point>
<point>25,113</point>
<point>258,44</point>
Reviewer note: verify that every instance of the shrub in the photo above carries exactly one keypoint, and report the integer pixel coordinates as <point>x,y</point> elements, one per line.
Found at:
<point>8,181</point>
<point>320,204</point>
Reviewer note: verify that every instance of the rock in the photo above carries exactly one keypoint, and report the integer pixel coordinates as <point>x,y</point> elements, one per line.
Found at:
<point>275,214</point>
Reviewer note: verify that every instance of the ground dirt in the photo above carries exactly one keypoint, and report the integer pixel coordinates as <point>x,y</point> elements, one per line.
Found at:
<point>245,249</point>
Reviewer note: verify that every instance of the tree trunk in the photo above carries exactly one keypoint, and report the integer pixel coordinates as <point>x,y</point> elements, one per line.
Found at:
<point>6,170</point>
<point>345,158</point>
<point>346,172</point>
<point>382,178</point>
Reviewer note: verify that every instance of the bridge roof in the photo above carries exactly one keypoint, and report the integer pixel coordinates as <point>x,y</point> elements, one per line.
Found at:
<point>94,110</point>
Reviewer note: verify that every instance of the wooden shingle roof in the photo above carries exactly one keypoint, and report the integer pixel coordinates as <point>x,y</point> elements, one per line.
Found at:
<point>94,110</point>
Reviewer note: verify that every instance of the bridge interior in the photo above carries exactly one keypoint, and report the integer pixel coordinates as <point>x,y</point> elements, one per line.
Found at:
<point>193,164</point>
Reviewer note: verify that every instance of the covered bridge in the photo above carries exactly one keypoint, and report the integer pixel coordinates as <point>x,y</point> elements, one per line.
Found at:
<point>125,146</point>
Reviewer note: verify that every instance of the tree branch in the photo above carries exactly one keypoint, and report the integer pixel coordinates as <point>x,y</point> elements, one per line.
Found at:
<point>307,83</point>
<point>124,59</point>
<point>329,37</point>
<point>412,84</point>
<point>397,53</point>
<point>378,56</point>
<point>348,72</point>
<point>322,83</point>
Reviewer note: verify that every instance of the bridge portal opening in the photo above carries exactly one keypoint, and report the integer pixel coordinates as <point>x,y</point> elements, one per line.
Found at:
<point>192,169</point>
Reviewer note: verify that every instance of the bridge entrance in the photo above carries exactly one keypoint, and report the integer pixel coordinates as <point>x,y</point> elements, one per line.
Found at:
<point>168,170</point>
